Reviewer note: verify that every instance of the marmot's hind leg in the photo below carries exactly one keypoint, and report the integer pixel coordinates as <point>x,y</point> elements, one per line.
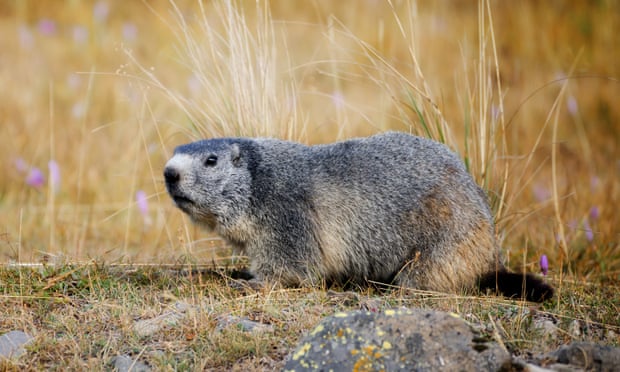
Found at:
<point>456,267</point>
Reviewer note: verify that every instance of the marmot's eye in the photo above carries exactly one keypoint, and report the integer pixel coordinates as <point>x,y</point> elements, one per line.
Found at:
<point>211,161</point>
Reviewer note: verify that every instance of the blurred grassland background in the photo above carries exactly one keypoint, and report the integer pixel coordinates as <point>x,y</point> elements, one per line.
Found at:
<point>105,90</point>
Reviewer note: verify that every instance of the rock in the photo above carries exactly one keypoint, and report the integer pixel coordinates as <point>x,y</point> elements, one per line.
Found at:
<point>575,328</point>
<point>534,368</point>
<point>148,327</point>
<point>12,344</point>
<point>588,356</point>
<point>243,324</point>
<point>124,363</point>
<point>546,326</point>
<point>393,340</point>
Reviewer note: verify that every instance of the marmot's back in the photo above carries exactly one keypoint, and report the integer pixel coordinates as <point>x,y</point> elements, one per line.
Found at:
<point>394,198</point>
<point>388,208</point>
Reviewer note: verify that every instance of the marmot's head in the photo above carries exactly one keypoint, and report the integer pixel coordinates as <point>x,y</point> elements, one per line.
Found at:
<point>209,180</point>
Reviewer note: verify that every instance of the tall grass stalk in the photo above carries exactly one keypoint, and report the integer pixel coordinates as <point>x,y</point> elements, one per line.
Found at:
<point>234,64</point>
<point>484,143</point>
<point>564,253</point>
<point>51,192</point>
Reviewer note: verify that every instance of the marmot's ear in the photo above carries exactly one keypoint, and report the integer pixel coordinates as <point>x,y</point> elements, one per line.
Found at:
<point>235,154</point>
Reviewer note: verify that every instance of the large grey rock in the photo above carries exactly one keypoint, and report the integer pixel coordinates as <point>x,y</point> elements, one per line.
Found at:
<point>12,344</point>
<point>588,356</point>
<point>393,340</point>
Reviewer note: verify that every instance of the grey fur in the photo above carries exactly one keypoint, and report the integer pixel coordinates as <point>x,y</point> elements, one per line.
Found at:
<point>387,208</point>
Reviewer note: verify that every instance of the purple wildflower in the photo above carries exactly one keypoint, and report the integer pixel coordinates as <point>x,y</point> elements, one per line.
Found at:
<point>143,206</point>
<point>130,31</point>
<point>541,193</point>
<point>47,27</point>
<point>595,213</point>
<point>544,264</point>
<point>572,225</point>
<point>588,230</point>
<point>338,100</point>
<point>101,11</point>
<point>494,112</point>
<point>21,165</point>
<point>80,35</point>
<point>54,170</point>
<point>35,178</point>
<point>571,105</point>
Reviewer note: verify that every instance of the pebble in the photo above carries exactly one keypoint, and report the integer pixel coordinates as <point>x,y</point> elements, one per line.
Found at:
<point>12,344</point>
<point>124,363</point>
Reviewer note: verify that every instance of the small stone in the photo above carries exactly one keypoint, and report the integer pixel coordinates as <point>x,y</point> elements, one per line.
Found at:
<point>575,328</point>
<point>534,368</point>
<point>147,327</point>
<point>124,363</point>
<point>547,326</point>
<point>12,344</point>
<point>243,324</point>
<point>371,304</point>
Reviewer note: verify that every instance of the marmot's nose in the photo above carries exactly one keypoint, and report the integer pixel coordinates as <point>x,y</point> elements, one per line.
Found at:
<point>171,175</point>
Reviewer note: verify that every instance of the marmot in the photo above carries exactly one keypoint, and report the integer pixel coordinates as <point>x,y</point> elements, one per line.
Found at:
<point>390,208</point>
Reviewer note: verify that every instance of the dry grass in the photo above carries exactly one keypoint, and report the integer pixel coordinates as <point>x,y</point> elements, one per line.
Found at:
<point>83,316</point>
<point>527,93</point>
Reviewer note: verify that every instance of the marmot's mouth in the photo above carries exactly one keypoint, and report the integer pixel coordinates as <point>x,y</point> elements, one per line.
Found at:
<point>182,200</point>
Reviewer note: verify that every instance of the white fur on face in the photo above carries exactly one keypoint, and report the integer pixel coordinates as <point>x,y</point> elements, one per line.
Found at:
<point>182,163</point>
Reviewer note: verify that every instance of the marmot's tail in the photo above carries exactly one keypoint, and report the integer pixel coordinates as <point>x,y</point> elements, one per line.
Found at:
<point>511,285</point>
